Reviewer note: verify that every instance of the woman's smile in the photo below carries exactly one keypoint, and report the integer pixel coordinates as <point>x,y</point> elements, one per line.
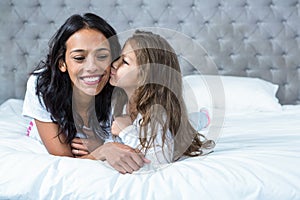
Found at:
<point>91,79</point>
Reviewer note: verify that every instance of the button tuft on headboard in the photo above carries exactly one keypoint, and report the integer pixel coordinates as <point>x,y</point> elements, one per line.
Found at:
<point>283,21</point>
<point>37,37</point>
<point>14,70</point>
<point>246,5</point>
<point>130,22</point>
<point>142,5</point>
<point>257,55</point>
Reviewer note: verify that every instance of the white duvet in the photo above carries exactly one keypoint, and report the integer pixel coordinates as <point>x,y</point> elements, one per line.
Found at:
<point>256,157</point>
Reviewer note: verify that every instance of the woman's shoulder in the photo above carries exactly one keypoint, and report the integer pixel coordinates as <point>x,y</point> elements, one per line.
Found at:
<point>32,79</point>
<point>31,82</point>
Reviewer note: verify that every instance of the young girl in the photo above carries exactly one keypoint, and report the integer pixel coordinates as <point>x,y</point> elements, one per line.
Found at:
<point>151,117</point>
<point>68,95</point>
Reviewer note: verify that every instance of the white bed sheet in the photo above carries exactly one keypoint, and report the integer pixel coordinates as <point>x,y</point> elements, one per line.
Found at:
<point>256,157</point>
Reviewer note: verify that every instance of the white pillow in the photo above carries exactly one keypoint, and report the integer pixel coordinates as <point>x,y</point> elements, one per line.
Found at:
<point>234,94</point>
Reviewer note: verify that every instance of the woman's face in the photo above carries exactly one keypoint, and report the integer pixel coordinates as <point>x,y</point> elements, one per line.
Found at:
<point>125,70</point>
<point>87,61</point>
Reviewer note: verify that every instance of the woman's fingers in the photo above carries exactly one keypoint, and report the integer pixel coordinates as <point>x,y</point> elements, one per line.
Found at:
<point>139,160</point>
<point>78,152</point>
<point>122,157</point>
<point>79,145</point>
<point>126,168</point>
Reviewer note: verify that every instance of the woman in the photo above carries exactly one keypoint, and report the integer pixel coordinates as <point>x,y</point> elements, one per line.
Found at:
<point>68,94</point>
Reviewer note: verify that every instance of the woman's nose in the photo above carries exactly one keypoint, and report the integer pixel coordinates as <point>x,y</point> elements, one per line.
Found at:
<point>92,66</point>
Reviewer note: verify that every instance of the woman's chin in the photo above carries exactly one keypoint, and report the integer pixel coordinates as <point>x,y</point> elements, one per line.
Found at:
<point>90,91</point>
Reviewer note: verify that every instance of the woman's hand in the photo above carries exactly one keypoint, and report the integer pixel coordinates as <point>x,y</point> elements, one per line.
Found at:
<point>80,147</point>
<point>120,123</point>
<point>121,157</point>
<point>83,146</point>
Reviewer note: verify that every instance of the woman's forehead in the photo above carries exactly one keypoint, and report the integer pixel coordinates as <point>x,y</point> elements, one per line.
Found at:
<point>87,39</point>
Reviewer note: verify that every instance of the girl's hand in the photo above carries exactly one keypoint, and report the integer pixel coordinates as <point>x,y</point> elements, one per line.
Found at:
<point>120,123</point>
<point>121,157</point>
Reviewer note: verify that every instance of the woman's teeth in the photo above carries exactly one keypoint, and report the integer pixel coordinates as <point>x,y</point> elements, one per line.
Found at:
<point>91,79</point>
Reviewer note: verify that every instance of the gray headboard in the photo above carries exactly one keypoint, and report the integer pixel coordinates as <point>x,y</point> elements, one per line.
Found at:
<point>256,38</point>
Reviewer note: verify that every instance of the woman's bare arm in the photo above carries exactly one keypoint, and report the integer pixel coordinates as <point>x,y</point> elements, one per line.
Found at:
<point>54,144</point>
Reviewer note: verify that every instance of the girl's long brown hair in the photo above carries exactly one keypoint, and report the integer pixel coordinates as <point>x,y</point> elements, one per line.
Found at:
<point>159,96</point>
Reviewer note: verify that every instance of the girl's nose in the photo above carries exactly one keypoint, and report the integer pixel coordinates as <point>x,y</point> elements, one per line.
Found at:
<point>116,63</point>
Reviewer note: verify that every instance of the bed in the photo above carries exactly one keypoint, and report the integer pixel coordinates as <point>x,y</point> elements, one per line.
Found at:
<point>240,60</point>
<point>256,157</point>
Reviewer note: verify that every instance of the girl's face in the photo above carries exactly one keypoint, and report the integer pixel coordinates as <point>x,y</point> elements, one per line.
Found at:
<point>87,61</point>
<point>125,70</point>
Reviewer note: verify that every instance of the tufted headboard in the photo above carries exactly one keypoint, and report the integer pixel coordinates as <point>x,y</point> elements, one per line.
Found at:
<point>255,38</point>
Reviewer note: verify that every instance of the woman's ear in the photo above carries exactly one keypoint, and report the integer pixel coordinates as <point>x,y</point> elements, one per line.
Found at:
<point>62,66</point>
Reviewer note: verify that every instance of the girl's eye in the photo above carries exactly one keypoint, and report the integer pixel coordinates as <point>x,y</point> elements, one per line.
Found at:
<point>124,61</point>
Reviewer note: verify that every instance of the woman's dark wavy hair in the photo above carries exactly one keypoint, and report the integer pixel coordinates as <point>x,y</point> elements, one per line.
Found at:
<point>54,87</point>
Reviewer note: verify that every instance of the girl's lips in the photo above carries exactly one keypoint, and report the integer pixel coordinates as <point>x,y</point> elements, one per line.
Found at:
<point>91,80</point>
<point>112,74</point>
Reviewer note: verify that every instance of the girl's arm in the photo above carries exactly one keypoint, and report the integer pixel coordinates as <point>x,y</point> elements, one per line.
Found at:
<point>120,123</point>
<point>157,153</point>
<point>54,144</point>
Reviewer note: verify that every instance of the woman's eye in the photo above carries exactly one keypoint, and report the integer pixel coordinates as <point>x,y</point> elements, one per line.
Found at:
<point>79,58</point>
<point>102,57</point>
